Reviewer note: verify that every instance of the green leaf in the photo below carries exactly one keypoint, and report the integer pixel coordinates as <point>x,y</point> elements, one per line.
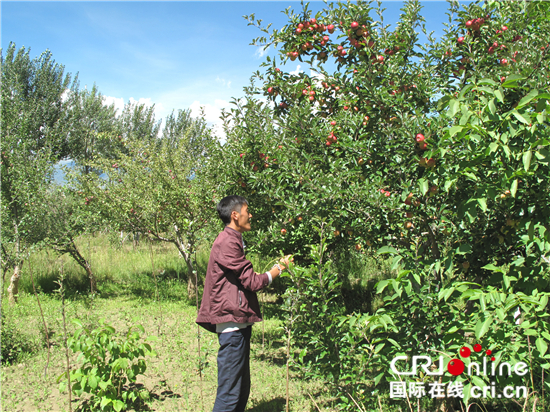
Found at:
<point>482,204</point>
<point>492,267</point>
<point>526,99</point>
<point>478,381</point>
<point>118,405</point>
<point>542,346</point>
<point>499,95</point>
<point>521,117</point>
<point>492,107</point>
<point>488,81</point>
<point>379,347</point>
<point>482,328</point>
<point>454,130</point>
<point>453,107</point>
<point>463,249</point>
<point>78,322</point>
<point>465,90</point>
<point>514,188</point>
<point>380,286</point>
<point>424,186</point>
<point>378,378</point>
<point>511,81</point>
<point>482,303</point>
<point>104,402</point>
<point>543,302</point>
<point>387,249</point>
<point>527,160</point>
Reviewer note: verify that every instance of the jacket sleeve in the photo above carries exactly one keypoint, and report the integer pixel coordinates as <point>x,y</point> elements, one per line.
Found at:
<point>232,258</point>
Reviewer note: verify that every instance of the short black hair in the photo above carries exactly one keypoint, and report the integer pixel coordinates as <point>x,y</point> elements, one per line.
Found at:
<point>230,204</point>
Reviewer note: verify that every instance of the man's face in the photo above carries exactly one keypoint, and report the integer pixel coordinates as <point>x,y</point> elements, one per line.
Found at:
<point>242,219</point>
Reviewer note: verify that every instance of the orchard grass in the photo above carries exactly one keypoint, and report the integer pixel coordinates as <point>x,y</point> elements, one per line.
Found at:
<point>126,297</point>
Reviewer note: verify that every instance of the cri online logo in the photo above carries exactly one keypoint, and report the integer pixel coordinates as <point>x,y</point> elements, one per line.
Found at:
<point>456,366</point>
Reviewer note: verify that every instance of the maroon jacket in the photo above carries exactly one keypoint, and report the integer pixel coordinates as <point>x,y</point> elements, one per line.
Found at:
<point>231,284</point>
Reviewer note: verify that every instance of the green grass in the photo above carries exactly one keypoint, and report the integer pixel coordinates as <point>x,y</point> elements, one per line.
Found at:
<point>126,296</point>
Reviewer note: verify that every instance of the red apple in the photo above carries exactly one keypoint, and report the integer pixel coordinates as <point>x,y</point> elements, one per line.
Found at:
<point>460,40</point>
<point>283,231</point>
<point>330,28</point>
<point>354,25</point>
<point>419,137</point>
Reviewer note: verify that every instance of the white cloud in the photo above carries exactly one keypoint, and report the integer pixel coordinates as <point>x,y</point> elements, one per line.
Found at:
<point>223,82</point>
<point>261,51</point>
<point>211,113</point>
<point>65,95</point>
<point>297,71</point>
<point>117,101</point>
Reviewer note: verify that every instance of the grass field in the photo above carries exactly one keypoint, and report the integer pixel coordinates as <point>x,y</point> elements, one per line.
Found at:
<point>126,296</point>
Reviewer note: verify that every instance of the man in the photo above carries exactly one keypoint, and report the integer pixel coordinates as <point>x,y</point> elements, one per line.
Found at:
<point>229,304</point>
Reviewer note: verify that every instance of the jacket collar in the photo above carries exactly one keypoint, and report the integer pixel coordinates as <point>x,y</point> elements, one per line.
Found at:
<point>235,233</point>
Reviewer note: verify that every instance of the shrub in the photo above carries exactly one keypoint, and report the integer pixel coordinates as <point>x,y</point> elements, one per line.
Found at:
<point>110,366</point>
<point>15,344</point>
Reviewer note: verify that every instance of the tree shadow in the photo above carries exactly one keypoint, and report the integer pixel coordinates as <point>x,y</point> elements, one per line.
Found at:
<point>139,405</point>
<point>268,356</point>
<point>273,405</point>
<point>273,310</point>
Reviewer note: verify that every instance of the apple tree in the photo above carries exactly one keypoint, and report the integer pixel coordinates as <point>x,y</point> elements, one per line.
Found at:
<point>435,154</point>
<point>157,186</point>
<point>34,137</point>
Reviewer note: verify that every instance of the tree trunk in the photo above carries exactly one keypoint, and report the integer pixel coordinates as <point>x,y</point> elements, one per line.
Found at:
<point>85,264</point>
<point>13,289</point>
<point>191,281</point>
<point>72,250</point>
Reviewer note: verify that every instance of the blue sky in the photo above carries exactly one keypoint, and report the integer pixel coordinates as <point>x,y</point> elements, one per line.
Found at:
<point>174,54</point>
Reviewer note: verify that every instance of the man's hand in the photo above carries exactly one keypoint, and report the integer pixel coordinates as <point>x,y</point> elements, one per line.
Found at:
<point>285,261</point>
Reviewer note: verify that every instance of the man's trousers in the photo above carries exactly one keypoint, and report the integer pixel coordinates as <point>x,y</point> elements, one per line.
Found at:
<point>233,371</point>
